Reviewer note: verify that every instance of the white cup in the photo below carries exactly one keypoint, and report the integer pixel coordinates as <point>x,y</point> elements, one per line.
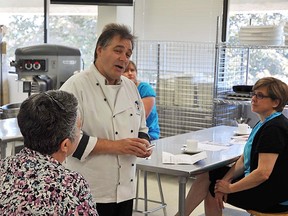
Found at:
<point>243,128</point>
<point>192,145</point>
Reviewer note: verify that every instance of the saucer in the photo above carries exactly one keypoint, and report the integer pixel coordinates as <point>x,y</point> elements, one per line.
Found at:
<point>240,133</point>
<point>187,151</point>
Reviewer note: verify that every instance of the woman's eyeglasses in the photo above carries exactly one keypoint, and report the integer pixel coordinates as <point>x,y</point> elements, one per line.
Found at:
<point>259,95</point>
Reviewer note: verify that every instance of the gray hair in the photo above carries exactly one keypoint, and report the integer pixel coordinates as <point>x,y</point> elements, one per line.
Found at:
<point>46,119</point>
<point>109,32</point>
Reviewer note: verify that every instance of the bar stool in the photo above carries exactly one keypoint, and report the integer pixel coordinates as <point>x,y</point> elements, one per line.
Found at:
<point>162,203</point>
<point>255,213</point>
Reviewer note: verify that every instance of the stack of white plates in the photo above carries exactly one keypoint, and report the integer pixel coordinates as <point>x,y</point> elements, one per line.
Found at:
<point>261,35</point>
<point>286,33</point>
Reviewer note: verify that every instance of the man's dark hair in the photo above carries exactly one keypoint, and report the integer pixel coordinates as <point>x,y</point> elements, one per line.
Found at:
<point>109,32</point>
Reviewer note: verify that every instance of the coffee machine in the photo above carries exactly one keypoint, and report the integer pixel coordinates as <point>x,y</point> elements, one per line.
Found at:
<point>46,66</point>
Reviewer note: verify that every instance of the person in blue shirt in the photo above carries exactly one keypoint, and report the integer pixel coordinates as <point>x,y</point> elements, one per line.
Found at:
<point>148,95</point>
<point>258,180</point>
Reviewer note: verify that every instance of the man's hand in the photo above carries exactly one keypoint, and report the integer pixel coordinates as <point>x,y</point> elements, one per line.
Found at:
<point>133,146</point>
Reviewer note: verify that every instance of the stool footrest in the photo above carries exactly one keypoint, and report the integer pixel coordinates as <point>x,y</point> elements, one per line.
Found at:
<point>145,199</point>
<point>163,205</point>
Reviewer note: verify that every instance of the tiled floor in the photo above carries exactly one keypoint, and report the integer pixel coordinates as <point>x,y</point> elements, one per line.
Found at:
<point>170,190</point>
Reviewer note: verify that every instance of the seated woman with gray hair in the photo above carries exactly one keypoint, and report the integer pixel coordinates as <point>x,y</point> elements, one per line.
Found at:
<point>34,182</point>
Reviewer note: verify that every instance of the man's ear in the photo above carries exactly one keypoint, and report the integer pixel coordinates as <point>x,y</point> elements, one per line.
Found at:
<point>99,50</point>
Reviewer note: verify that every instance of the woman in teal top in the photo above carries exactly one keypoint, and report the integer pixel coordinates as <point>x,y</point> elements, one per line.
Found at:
<point>148,95</point>
<point>259,179</point>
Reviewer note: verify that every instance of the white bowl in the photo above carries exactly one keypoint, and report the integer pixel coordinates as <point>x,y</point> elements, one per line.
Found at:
<point>262,42</point>
<point>257,29</point>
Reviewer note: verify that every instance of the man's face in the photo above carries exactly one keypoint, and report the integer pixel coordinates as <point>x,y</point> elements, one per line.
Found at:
<point>112,60</point>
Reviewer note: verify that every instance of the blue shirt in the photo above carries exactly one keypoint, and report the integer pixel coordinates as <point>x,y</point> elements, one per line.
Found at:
<point>145,90</point>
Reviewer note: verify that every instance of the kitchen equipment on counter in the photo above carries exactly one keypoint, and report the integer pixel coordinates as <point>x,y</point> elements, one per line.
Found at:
<point>9,110</point>
<point>242,88</point>
<point>45,66</point>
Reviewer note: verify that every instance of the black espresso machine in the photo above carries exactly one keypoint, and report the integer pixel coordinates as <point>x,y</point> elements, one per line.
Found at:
<point>46,66</point>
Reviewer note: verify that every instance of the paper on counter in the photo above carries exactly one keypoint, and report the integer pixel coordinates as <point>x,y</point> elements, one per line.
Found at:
<point>168,158</point>
<point>212,146</point>
<point>239,139</point>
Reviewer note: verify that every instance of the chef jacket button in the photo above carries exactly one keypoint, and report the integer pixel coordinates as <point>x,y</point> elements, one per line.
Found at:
<point>114,116</point>
<point>131,114</point>
<point>97,84</point>
<point>119,166</point>
<point>132,164</point>
<point>116,132</point>
<point>131,180</point>
<point>131,131</point>
<point>118,183</point>
<point>105,99</point>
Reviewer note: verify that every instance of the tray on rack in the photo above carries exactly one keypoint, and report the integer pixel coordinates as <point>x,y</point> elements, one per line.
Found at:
<point>238,96</point>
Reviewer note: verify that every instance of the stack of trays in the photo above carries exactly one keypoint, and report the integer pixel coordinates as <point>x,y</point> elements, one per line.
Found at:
<point>286,33</point>
<point>184,91</point>
<point>261,35</point>
<point>238,96</point>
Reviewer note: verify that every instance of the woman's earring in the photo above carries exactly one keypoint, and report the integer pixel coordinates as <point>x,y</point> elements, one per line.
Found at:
<point>65,161</point>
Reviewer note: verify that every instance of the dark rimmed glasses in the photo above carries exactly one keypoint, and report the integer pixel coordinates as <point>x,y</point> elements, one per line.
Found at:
<point>55,101</point>
<point>259,95</point>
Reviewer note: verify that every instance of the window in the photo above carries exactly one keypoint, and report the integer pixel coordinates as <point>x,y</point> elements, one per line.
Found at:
<point>75,26</point>
<point>269,61</point>
<point>24,24</point>
<point>69,25</point>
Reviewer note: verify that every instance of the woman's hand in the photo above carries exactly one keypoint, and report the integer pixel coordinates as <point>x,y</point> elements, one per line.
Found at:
<point>220,197</point>
<point>223,186</point>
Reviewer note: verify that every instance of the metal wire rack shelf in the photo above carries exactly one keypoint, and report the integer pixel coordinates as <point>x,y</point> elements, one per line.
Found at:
<point>183,76</point>
<point>231,102</point>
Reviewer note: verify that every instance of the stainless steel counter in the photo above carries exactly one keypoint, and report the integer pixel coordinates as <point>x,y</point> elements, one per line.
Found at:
<point>219,134</point>
<point>9,132</point>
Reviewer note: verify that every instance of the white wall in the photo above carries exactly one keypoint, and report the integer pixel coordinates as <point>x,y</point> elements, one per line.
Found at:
<point>119,14</point>
<point>177,20</point>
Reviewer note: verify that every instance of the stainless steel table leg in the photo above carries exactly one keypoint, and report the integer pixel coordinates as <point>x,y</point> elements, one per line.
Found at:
<point>182,195</point>
<point>163,204</point>
<point>3,146</point>
<point>145,193</point>
<point>137,189</point>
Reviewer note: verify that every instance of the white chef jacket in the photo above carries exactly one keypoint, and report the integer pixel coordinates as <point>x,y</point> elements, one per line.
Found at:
<point>111,177</point>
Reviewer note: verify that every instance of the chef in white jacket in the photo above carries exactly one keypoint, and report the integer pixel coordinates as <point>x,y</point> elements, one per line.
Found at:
<point>114,125</point>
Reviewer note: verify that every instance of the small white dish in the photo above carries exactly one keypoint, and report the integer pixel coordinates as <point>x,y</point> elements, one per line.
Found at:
<point>187,151</point>
<point>240,134</point>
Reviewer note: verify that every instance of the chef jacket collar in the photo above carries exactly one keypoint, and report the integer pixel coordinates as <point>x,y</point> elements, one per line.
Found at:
<point>117,83</point>
<point>101,78</point>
